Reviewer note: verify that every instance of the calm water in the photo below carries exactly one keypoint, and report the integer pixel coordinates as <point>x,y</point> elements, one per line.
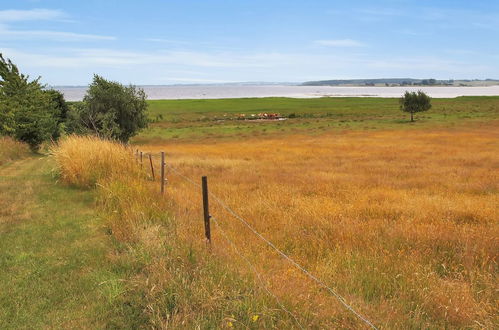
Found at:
<point>224,91</point>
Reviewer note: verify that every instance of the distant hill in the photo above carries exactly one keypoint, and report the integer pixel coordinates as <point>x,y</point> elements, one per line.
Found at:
<point>402,82</point>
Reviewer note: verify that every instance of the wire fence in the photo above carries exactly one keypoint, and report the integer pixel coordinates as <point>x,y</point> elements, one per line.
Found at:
<point>223,204</point>
<point>253,269</point>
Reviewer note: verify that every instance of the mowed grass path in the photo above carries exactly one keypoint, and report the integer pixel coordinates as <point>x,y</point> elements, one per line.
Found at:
<point>54,265</point>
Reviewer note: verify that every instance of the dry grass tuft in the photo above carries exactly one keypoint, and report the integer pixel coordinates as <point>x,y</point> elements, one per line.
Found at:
<point>11,149</point>
<point>85,160</point>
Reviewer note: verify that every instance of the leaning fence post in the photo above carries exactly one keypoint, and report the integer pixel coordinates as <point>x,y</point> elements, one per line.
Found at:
<point>162,172</point>
<point>152,167</point>
<point>206,210</point>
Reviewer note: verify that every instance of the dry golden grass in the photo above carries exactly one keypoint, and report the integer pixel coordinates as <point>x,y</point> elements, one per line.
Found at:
<point>404,224</point>
<point>125,197</point>
<point>85,160</point>
<point>11,206</point>
<point>16,196</point>
<point>11,149</point>
<point>170,282</point>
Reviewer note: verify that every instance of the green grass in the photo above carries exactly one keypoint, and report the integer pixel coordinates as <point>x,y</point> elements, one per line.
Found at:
<point>54,256</point>
<point>195,119</point>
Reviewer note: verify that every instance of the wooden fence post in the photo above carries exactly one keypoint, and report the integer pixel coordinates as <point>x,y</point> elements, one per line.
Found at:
<point>152,167</point>
<point>206,209</point>
<point>141,163</point>
<point>162,172</point>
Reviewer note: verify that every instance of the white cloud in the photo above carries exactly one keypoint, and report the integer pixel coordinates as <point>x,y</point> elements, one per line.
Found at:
<point>6,33</point>
<point>12,15</point>
<point>340,43</point>
<point>74,66</point>
<point>167,41</point>
<point>101,57</point>
<point>9,17</point>
<point>93,58</point>
<point>207,59</point>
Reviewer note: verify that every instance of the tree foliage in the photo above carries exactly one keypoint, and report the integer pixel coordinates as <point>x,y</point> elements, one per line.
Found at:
<point>60,111</point>
<point>27,111</point>
<point>414,102</point>
<point>110,110</point>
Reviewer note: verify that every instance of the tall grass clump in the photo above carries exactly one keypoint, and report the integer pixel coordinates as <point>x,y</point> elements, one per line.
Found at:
<point>124,197</point>
<point>11,149</point>
<point>85,160</point>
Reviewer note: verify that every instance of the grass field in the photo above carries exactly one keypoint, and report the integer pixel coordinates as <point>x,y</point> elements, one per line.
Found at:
<point>170,283</point>
<point>217,119</point>
<point>404,223</point>
<point>400,218</point>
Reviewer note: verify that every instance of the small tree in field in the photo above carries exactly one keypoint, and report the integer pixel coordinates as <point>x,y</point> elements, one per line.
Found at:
<point>413,102</point>
<point>111,110</point>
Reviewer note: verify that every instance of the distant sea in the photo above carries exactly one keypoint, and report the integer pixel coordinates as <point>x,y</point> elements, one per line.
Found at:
<point>238,91</point>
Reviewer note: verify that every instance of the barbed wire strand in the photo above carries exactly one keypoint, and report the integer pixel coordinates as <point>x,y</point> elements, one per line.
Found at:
<point>253,269</point>
<point>284,255</point>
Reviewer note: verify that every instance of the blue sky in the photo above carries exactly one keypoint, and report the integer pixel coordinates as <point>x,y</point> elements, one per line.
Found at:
<point>207,41</point>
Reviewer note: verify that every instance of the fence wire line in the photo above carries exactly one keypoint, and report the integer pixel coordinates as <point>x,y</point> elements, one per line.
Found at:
<point>183,176</point>
<point>234,247</point>
<point>285,256</point>
<point>306,272</point>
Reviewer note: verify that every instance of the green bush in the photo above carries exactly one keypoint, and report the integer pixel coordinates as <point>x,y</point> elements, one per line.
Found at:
<point>28,112</point>
<point>109,110</point>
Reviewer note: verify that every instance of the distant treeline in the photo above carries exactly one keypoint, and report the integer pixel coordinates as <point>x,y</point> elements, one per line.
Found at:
<point>393,81</point>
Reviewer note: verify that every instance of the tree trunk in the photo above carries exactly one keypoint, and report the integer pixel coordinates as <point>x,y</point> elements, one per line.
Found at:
<point>412,117</point>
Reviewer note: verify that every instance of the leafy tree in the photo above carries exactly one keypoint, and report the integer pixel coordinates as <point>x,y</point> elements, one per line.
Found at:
<point>110,110</point>
<point>74,121</point>
<point>10,82</point>
<point>60,111</point>
<point>27,112</point>
<point>413,102</point>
